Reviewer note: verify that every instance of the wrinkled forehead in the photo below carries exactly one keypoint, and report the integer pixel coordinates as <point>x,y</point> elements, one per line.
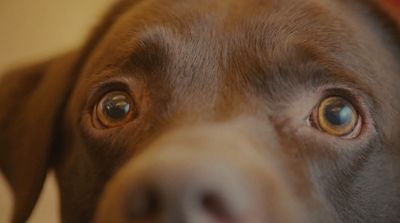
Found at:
<point>218,27</point>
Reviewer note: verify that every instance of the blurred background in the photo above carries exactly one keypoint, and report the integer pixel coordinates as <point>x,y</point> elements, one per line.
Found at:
<point>32,31</point>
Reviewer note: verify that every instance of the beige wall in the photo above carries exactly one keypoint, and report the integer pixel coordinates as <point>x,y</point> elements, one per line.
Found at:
<point>32,30</point>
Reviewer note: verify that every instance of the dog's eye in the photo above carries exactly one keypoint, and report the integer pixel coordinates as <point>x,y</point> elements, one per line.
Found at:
<point>114,109</point>
<point>337,116</point>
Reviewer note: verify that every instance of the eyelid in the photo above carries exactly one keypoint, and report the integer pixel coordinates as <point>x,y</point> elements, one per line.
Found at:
<point>362,102</point>
<point>101,88</point>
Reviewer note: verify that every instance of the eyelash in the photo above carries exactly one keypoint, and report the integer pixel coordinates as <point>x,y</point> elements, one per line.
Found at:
<point>355,99</point>
<point>101,89</point>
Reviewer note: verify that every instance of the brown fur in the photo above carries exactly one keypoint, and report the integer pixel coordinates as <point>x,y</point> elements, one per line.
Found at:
<point>230,83</point>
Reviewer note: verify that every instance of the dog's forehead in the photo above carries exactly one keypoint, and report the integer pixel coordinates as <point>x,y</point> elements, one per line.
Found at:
<point>211,43</point>
<point>222,25</point>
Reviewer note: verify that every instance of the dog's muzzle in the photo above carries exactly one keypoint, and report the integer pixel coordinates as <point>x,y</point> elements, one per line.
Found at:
<point>210,174</point>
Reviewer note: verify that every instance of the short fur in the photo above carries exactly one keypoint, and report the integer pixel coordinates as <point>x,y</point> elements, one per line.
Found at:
<point>225,83</point>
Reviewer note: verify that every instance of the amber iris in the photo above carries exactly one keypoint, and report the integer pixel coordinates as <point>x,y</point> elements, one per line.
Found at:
<point>114,109</point>
<point>337,116</point>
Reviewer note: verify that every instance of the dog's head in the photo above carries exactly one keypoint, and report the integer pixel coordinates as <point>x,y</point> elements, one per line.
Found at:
<point>205,111</point>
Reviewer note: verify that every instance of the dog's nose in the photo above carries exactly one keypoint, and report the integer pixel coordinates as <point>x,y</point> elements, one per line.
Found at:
<point>185,192</point>
<point>146,204</point>
<point>178,190</point>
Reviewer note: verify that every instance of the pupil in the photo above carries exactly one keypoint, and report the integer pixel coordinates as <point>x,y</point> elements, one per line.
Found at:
<point>338,113</point>
<point>117,107</point>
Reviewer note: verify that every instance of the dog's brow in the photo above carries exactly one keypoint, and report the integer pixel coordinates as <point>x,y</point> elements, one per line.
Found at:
<point>314,68</point>
<point>331,70</point>
<point>147,55</point>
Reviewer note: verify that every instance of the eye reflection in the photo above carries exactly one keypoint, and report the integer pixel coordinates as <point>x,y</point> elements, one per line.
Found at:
<point>117,106</point>
<point>114,109</point>
<point>336,116</point>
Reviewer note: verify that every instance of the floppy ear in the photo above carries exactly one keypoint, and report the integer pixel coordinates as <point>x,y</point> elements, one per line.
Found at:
<point>31,102</point>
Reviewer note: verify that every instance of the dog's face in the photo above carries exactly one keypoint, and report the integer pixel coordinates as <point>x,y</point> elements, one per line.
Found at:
<point>219,111</point>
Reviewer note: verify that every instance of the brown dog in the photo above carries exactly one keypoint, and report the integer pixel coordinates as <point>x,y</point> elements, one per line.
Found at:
<point>239,111</point>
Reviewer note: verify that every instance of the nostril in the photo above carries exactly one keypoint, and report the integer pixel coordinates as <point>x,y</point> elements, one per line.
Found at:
<point>216,206</point>
<point>144,205</point>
